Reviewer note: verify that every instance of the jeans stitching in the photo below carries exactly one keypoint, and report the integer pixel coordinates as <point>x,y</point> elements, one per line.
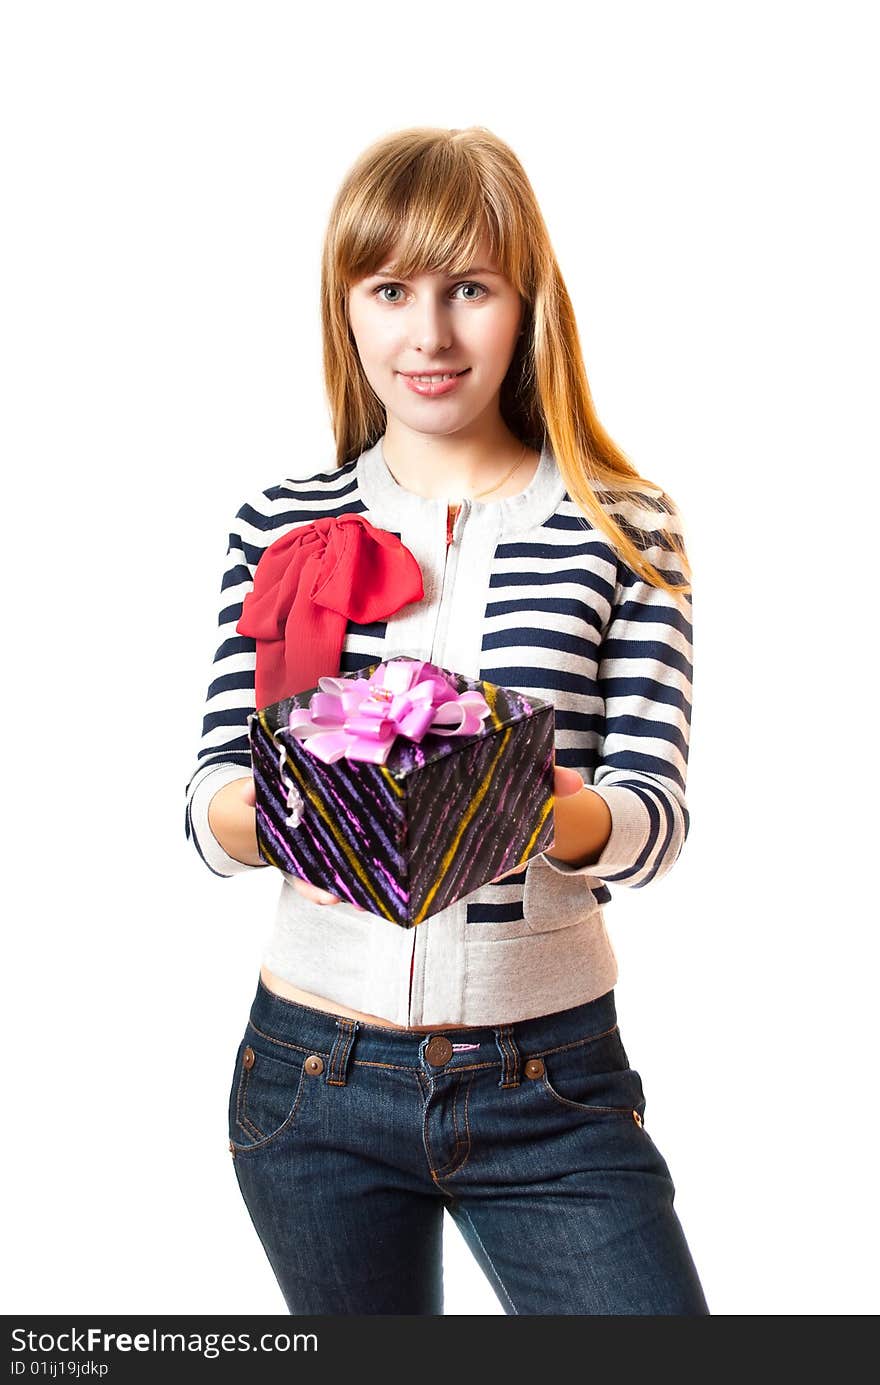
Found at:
<point>586,1105</point>
<point>575,1043</point>
<point>459,1142</point>
<point>465,1213</point>
<point>504,1035</point>
<point>467,1127</point>
<point>411,1067</point>
<point>285,1043</point>
<point>339,1080</point>
<point>269,1139</point>
<point>242,1116</point>
<point>426,1139</point>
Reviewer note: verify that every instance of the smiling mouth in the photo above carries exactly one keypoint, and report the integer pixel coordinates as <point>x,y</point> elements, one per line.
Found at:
<point>433,377</point>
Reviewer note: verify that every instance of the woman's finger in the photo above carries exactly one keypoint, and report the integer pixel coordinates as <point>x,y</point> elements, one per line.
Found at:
<point>314,892</point>
<point>566,782</point>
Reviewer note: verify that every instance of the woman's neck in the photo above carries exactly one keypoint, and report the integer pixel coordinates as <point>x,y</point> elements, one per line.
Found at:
<point>437,472</point>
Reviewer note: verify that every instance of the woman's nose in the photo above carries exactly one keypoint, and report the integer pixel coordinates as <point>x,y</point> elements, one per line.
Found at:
<point>429,327</point>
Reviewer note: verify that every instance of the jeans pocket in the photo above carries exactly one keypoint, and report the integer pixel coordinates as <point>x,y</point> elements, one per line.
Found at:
<point>593,1076</point>
<point>266,1095</point>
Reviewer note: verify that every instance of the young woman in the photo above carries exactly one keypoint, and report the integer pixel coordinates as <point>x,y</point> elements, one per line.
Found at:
<point>472,1063</point>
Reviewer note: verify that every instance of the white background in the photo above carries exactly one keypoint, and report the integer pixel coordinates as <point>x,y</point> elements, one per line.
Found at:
<point>707,174</point>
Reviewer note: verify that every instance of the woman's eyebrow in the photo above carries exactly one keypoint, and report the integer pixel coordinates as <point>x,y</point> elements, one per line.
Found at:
<point>478,269</point>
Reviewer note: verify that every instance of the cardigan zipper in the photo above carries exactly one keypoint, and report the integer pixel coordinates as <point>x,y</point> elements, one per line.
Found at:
<point>456,517</point>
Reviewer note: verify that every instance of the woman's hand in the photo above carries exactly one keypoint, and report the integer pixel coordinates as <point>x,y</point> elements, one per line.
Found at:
<point>315,893</point>
<point>566,783</point>
<point>232,817</point>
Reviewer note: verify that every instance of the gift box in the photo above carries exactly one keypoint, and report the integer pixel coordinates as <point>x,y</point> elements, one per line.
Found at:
<point>404,786</point>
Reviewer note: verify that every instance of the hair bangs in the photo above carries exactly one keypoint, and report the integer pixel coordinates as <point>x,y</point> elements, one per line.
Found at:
<point>435,219</point>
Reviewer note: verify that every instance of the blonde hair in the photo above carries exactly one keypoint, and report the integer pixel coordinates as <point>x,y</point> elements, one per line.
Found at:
<point>432,194</point>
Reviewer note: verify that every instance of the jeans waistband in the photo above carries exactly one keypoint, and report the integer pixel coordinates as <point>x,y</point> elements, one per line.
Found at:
<point>327,1034</point>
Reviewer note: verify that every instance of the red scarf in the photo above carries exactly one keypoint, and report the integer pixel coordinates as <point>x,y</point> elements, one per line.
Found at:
<point>307,585</point>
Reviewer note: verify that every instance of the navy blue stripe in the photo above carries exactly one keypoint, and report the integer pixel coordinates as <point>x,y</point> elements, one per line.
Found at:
<point>573,522</point>
<point>585,723</point>
<point>353,663</point>
<point>648,688</point>
<point>285,520</point>
<point>636,612</point>
<point>520,637</point>
<point>495,913</point>
<point>647,726</point>
<point>586,762</point>
<point>234,576</point>
<point>576,576</point>
<point>343,482</point>
<point>374,629</point>
<point>557,606</point>
<point>548,679</point>
<point>240,681</point>
<point>643,764</point>
<point>236,644</point>
<point>651,800</point>
<point>635,870</point>
<point>555,551</point>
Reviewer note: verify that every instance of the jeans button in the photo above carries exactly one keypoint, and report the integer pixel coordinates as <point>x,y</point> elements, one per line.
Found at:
<point>438,1050</point>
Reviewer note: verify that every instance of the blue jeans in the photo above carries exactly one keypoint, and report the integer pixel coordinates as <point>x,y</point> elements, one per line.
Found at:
<point>349,1140</point>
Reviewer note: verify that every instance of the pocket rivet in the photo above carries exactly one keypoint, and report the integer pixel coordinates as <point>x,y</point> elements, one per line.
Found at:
<point>249,1057</point>
<point>314,1064</point>
<point>534,1067</point>
<point>232,1149</point>
<point>636,1117</point>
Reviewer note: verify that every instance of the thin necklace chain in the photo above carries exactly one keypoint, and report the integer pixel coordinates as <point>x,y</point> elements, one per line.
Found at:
<point>455,504</point>
<point>517,464</point>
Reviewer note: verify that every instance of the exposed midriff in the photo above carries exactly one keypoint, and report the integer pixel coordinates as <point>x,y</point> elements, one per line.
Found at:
<point>332,1007</point>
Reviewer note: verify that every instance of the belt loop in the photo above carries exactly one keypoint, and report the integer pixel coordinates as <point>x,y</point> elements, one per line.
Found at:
<point>509,1055</point>
<point>346,1029</point>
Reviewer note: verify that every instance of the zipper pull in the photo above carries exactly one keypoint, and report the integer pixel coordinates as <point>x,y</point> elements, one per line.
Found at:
<point>456,514</point>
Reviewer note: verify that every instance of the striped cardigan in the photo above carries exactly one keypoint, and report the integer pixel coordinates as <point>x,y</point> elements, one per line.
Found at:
<point>528,595</point>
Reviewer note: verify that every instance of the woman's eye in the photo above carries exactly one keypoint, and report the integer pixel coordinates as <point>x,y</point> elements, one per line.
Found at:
<point>397,288</point>
<point>469,285</point>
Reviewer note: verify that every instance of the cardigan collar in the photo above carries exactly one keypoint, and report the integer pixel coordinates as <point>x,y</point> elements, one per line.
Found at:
<point>392,504</point>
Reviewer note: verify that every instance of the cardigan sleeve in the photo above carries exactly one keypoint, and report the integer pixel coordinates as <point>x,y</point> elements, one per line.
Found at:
<point>645,675</point>
<point>224,750</point>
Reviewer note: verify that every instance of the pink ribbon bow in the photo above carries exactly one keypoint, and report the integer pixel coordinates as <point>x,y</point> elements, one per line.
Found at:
<point>361,718</point>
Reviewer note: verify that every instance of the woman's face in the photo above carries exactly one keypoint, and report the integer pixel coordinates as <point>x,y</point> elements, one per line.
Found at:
<point>431,325</point>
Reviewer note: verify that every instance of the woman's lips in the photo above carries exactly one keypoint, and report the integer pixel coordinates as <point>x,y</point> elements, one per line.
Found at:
<point>428,390</point>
